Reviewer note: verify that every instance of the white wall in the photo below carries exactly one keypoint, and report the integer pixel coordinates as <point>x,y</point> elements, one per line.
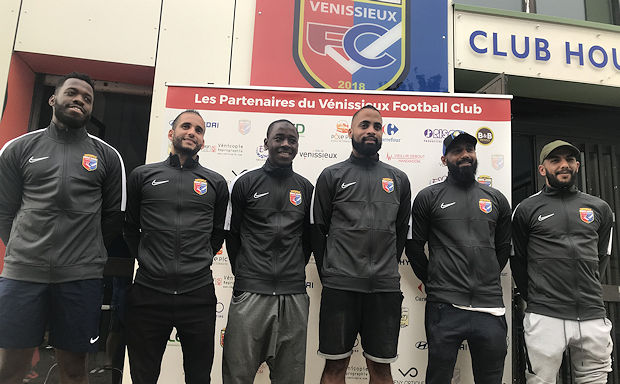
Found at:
<point>112,30</point>
<point>9,12</point>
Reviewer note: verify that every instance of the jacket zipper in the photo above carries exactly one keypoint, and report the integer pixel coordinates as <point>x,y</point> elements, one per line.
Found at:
<point>276,252</point>
<point>177,248</point>
<point>469,264</point>
<point>370,232</point>
<point>573,258</point>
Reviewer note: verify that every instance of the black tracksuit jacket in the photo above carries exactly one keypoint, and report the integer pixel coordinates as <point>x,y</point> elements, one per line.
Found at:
<point>360,222</point>
<point>562,242</point>
<point>268,242</point>
<point>468,233</point>
<point>62,193</point>
<point>175,223</point>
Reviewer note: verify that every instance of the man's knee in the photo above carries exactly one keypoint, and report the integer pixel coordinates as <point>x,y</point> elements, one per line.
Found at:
<point>379,371</point>
<point>14,364</point>
<point>336,367</point>
<point>72,365</point>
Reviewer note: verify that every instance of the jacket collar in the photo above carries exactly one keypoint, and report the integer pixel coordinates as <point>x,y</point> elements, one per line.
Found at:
<point>173,161</point>
<point>551,191</point>
<point>364,161</point>
<point>66,135</point>
<point>450,180</point>
<point>275,171</point>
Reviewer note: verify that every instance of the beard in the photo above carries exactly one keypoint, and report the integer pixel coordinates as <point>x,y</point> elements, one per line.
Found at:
<point>555,183</point>
<point>70,121</point>
<point>366,147</point>
<point>463,175</point>
<point>177,144</point>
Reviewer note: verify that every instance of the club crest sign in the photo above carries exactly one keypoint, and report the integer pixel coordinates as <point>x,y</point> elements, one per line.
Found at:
<point>352,44</point>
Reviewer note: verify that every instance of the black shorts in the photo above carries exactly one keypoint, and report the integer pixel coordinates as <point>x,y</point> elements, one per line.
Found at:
<point>69,310</point>
<point>375,316</point>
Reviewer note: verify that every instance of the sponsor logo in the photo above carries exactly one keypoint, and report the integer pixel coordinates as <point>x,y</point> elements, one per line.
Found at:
<point>212,124</point>
<point>209,148</point>
<point>309,284</point>
<point>485,205</point>
<point>261,153</point>
<point>404,317</point>
<point>230,149</point>
<point>444,205</point>
<point>486,180</point>
<point>175,338</point>
<point>219,310</point>
<point>541,217</point>
<point>94,340</point>
<point>390,131</point>
<point>403,261</point>
<point>294,196</point>
<point>222,333</point>
<point>342,132</point>
<point>158,182</point>
<point>411,372</point>
<point>33,159</point>
<point>586,215</point>
<point>89,162</point>
<point>438,179</point>
<point>259,195</point>
<point>300,129</point>
<point>497,162</point>
<point>338,44</point>
<point>387,184</point>
<point>342,127</point>
<point>244,126</point>
<point>226,281</point>
<point>422,345</point>
<point>347,185</point>
<point>484,135</point>
<point>200,186</point>
<point>404,158</point>
<point>420,288</point>
<point>436,135</point>
<point>220,259</point>
<point>318,154</point>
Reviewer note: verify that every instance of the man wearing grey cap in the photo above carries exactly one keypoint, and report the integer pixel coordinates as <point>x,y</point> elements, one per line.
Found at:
<point>562,241</point>
<point>467,228</point>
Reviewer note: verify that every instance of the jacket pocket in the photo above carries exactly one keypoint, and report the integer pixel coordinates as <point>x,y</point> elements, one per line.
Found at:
<point>31,237</point>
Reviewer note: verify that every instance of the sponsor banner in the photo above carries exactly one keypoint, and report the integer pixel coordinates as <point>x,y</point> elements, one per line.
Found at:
<point>351,44</point>
<point>411,142</point>
<point>299,102</point>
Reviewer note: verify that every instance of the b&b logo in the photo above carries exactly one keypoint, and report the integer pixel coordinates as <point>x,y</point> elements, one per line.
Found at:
<point>351,44</point>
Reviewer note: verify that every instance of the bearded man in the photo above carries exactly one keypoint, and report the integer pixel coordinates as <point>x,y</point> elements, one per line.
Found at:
<point>174,226</point>
<point>562,242</point>
<point>467,228</point>
<point>360,220</point>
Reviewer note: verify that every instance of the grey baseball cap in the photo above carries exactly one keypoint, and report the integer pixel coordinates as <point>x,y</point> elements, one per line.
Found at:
<point>552,146</point>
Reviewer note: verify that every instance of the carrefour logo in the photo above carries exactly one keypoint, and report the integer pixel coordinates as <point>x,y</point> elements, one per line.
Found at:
<point>390,130</point>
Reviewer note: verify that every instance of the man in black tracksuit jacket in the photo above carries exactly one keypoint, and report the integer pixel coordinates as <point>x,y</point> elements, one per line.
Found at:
<point>562,243</point>
<point>360,222</point>
<point>467,228</point>
<point>268,246</point>
<point>174,225</point>
<point>62,193</point>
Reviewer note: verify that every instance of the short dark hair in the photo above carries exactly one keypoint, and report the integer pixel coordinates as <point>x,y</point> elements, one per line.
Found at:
<point>74,75</point>
<point>367,106</point>
<point>270,127</point>
<point>176,119</point>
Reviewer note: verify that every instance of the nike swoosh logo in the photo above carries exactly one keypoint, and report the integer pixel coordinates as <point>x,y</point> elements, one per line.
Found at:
<point>155,182</point>
<point>541,217</point>
<point>32,159</point>
<point>93,341</point>
<point>259,195</point>
<point>444,206</point>
<point>347,185</point>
